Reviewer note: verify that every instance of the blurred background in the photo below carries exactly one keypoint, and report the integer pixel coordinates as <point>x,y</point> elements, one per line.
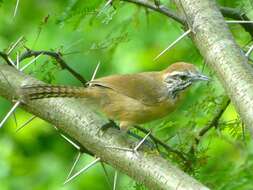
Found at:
<point>124,38</point>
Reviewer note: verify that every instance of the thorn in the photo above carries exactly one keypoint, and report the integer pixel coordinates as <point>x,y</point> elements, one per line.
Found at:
<point>16,9</point>
<point>95,72</point>
<point>106,175</point>
<point>9,113</point>
<point>108,3</point>
<point>55,128</point>
<point>141,142</point>
<point>13,64</point>
<point>104,7</point>
<point>82,170</point>
<point>28,64</point>
<point>17,61</point>
<point>173,43</point>
<point>74,165</point>
<point>67,139</point>
<point>249,51</point>
<point>70,141</point>
<point>26,123</point>
<point>115,180</point>
<point>239,21</point>
<point>131,149</point>
<point>15,45</point>
<point>15,119</point>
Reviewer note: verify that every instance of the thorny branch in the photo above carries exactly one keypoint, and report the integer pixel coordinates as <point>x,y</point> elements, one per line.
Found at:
<point>58,57</point>
<point>5,57</point>
<point>155,7</point>
<point>226,11</point>
<point>158,8</point>
<point>55,55</point>
<point>84,125</point>
<point>164,145</point>
<point>237,15</point>
<point>213,123</point>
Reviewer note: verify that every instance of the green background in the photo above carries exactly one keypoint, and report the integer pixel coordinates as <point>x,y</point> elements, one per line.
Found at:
<point>124,39</point>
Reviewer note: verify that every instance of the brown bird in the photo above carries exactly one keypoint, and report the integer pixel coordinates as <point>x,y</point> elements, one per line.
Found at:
<point>132,98</point>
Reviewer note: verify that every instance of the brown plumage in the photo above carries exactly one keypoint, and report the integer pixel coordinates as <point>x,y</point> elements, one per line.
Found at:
<point>132,98</point>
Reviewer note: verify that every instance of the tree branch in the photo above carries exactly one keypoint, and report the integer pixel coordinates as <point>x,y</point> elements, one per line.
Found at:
<point>5,57</point>
<point>237,15</point>
<point>213,123</point>
<point>216,44</point>
<point>58,57</point>
<point>226,11</point>
<point>164,145</point>
<point>75,119</point>
<point>158,8</point>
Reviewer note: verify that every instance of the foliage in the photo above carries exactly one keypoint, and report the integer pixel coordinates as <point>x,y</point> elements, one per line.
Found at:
<point>125,39</point>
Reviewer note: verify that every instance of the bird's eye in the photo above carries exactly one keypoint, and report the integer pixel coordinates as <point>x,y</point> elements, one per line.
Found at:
<point>183,77</point>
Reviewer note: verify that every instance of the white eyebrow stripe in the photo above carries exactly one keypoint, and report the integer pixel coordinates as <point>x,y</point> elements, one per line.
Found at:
<point>178,73</point>
<point>188,73</point>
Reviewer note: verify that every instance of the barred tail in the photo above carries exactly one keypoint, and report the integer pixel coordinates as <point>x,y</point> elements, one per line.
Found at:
<point>48,91</point>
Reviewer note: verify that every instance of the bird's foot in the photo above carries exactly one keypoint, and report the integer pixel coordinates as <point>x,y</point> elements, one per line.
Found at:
<point>110,124</point>
<point>135,149</point>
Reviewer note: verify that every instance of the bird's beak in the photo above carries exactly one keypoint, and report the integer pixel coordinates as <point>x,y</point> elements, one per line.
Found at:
<point>201,77</point>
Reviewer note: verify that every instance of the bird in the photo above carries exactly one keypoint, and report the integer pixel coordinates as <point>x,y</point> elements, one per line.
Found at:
<point>130,99</point>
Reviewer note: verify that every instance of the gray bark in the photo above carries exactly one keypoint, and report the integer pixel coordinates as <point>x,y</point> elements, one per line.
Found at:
<point>215,42</point>
<point>80,123</point>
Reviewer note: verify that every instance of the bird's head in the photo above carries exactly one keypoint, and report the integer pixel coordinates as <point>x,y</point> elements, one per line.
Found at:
<point>179,76</point>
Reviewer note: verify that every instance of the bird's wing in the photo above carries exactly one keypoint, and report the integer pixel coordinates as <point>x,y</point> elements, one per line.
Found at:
<point>144,87</point>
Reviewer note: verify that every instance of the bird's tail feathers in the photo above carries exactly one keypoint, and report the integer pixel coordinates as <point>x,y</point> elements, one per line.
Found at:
<point>48,91</point>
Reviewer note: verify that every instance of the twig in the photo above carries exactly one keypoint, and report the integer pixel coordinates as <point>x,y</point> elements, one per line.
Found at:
<point>58,57</point>
<point>161,9</point>
<point>164,145</point>
<point>5,57</point>
<point>215,120</point>
<point>226,11</point>
<point>238,15</point>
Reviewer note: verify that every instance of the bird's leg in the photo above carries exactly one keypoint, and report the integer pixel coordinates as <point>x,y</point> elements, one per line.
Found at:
<point>135,149</point>
<point>110,124</point>
<point>125,130</point>
<point>143,140</point>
